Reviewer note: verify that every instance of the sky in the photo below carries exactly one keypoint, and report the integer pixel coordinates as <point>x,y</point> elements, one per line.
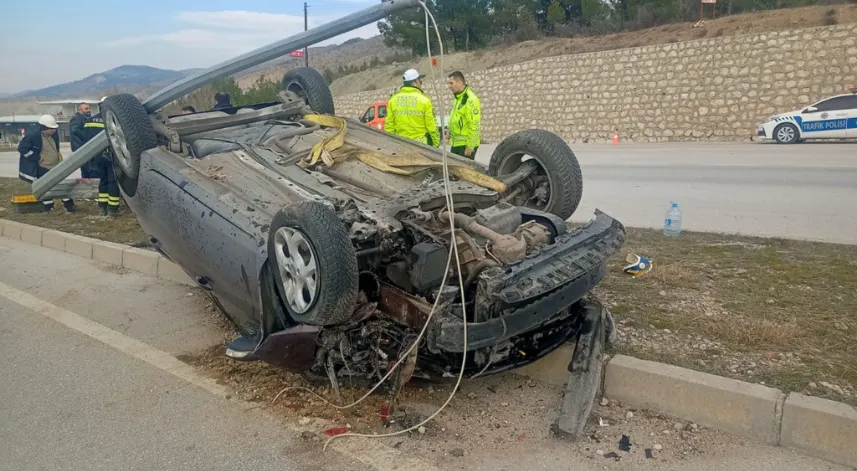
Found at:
<point>50,42</point>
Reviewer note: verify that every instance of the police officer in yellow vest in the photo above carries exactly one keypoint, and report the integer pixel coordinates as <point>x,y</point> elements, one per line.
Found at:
<point>410,112</point>
<point>465,120</point>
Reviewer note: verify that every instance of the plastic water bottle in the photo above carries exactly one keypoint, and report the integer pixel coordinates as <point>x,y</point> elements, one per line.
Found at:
<point>672,222</point>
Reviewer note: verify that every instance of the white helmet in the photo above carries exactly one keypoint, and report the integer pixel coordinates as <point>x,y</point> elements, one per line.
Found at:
<point>102,99</point>
<point>411,74</point>
<point>48,121</point>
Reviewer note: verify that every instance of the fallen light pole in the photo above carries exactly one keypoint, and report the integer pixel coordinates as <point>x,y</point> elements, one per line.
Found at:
<point>253,58</point>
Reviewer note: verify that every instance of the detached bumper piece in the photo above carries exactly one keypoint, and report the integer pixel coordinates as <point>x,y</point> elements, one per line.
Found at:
<point>540,288</point>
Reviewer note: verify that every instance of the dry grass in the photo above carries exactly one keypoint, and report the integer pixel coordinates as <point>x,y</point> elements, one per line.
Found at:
<point>748,300</point>
<point>85,221</point>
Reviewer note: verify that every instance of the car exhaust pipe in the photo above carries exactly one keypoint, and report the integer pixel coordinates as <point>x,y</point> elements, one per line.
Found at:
<point>174,91</point>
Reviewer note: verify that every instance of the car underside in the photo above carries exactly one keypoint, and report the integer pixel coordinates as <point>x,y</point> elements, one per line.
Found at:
<point>329,243</point>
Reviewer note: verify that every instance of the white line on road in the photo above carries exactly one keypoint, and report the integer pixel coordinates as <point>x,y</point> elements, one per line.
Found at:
<point>369,451</point>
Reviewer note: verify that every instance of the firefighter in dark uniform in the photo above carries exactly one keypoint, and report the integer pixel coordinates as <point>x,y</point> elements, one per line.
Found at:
<point>78,137</point>
<point>108,189</point>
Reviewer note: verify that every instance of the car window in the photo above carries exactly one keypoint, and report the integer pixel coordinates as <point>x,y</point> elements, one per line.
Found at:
<point>838,103</point>
<point>369,116</point>
<point>382,111</point>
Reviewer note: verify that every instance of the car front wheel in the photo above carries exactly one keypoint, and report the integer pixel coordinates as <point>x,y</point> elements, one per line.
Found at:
<point>786,133</point>
<point>313,263</point>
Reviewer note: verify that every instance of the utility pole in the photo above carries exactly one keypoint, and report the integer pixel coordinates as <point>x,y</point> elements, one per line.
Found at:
<point>306,49</point>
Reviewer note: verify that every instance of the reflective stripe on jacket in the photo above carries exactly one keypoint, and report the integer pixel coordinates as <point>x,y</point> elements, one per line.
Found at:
<point>465,121</point>
<point>410,114</point>
<point>30,153</point>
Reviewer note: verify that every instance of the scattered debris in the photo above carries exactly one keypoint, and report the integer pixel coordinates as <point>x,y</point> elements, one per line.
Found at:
<point>637,265</point>
<point>304,420</point>
<point>603,422</point>
<point>629,415</point>
<point>307,435</point>
<point>613,455</point>
<point>649,454</point>
<point>457,452</point>
<point>471,395</point>
<point>332,432</point>
<point>531,383</point>
<point>658,446</point>
<point>678,426</point>
<point>599,452</point>
<point>422,430</point>
<point>625,443</point>
<point>662,293</point>
<point>605,402</point>
<point>812,385</point>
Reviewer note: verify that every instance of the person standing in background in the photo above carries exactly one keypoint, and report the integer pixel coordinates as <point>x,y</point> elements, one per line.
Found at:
<point>108,189</point>
<point>465,120</point>
<point>40,152</point>
<point>78,137</point>
<point>410,112</point>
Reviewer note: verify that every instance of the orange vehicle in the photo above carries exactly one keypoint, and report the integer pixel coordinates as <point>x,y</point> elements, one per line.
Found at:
<point>375,115</point>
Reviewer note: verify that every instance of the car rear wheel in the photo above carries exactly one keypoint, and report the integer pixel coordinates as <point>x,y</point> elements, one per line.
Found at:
<point>311,86</point>
<point>313,263</point>
<point>541,171</point>
<point>130,133</point>
<point>786,133</point>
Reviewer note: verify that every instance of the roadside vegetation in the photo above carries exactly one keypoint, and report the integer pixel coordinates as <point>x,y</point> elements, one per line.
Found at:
<point>85,221</point>
<point>772,311</point>
<point>468,25</point>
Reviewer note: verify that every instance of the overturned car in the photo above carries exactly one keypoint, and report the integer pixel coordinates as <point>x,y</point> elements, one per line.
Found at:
<point>327,243</point>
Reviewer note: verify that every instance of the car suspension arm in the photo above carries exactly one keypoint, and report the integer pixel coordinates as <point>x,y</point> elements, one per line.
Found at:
<point>243,62</point>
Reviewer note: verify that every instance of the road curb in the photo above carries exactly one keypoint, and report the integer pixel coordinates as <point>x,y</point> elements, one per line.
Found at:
<point>810,425</point>
<point>124,256</point>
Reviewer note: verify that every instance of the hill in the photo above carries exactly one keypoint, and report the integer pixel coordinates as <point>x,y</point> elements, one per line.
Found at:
<point>127,78</point>
<point>749,23</point>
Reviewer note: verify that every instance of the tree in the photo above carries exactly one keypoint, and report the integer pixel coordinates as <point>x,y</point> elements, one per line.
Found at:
<point>556,14</point>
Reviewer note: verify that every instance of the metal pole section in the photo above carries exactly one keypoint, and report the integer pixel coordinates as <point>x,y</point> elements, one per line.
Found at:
<point>251,59</point>
<point>306,49</point>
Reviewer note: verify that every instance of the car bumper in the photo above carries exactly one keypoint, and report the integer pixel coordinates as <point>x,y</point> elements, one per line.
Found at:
<point>761,132</point>
<point>538,290</point>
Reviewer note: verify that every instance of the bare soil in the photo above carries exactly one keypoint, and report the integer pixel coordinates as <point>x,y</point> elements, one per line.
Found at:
<point>501,55</point>
<point>499,422</point>
<point>85,221</point>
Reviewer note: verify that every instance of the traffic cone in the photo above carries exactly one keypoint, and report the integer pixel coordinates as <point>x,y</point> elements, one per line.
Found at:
<point>615,137</point>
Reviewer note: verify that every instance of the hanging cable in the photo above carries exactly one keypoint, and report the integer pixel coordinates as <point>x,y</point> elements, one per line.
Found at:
<point>451,209</point>
<point>454,251</point>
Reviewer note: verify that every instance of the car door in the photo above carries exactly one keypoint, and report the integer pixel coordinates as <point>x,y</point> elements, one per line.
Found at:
<point>827,119</point>
<point>851,116</point>
<point>382,115</point>
<point>369,115</point>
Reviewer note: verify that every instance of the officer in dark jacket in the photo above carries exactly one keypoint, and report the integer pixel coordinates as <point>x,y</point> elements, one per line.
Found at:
<point>102,168</point>
<point>79,137</point>
<point>39,152</point>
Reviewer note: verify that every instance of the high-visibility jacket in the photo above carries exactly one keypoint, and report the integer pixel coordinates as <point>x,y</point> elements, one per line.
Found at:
<point>465,121</point>
<point>410,114</point>
<point>91,127</point>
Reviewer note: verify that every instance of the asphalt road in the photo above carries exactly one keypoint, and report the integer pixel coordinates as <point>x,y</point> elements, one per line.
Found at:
<point>88,381</point>
<point>801,191</point>
<point>804,191</point>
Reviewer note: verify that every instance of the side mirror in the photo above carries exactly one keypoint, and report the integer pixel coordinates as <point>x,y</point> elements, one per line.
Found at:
<point>810,109</point>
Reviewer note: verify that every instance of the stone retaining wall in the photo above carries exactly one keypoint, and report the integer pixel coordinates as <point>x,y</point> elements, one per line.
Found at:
<point>709,89</point>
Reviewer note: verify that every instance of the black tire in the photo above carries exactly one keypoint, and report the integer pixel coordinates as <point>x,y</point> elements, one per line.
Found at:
<point>557,162</point>
<point>336,278</point>
<point>310,85</point>
<point>784,129</point>
<point>125,113</point>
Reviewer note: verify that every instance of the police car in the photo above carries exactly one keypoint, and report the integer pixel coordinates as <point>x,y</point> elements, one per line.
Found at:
<point>831,118</point>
